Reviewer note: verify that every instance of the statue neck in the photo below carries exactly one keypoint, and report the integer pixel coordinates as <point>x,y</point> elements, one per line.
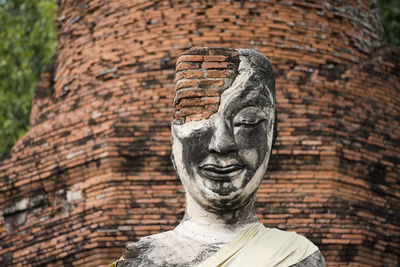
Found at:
<point>195,213</point>
<point>211,228</point>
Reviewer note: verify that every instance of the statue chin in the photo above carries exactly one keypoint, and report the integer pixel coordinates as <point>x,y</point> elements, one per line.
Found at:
<point>216,202</point>
<point>222,196</point>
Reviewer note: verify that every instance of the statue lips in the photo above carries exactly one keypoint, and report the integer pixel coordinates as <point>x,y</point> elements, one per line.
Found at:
<point>223,173</point>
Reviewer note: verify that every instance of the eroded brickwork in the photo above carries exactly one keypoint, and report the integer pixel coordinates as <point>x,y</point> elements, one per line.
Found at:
<point>94,170</point>
<point>202,74</point>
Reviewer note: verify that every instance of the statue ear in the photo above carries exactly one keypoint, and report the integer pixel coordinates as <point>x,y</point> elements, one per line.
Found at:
<point>275,128</point>
<point>173,161</point>
<point>172,144</point>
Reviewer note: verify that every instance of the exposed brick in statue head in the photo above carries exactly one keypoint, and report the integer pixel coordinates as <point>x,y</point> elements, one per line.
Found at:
<point>202,74</point>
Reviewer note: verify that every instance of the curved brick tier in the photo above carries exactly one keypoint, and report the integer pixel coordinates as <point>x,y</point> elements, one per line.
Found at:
<point>94,170</point>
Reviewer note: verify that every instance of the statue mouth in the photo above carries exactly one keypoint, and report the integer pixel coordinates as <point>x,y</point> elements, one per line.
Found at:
<point>221,173</point>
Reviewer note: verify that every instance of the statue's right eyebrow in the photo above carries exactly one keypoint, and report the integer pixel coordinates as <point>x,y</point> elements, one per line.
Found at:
<point>239,101</point>
<point>261,87</point>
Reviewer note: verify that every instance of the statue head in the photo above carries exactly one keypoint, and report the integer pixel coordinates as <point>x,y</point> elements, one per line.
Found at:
<point>224,125</point>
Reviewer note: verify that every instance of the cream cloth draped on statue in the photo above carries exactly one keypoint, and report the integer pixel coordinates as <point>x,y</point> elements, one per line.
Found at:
<point>258,246</point>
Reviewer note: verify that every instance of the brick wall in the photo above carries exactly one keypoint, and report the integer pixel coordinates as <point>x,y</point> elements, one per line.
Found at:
<point>94,171</point>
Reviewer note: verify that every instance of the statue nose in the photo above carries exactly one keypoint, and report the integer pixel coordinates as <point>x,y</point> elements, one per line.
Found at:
<point>222,140</point>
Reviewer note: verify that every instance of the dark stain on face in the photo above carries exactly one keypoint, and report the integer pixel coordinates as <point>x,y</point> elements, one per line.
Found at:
<point>195,148</point>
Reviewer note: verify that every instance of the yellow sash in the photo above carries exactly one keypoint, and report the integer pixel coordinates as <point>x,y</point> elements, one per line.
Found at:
<point>258,246</point>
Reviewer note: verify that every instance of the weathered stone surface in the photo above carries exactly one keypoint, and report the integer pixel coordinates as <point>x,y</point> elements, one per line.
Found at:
<point>315,259</point>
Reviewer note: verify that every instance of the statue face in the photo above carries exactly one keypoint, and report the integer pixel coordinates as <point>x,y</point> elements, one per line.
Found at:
<point>221,160</point>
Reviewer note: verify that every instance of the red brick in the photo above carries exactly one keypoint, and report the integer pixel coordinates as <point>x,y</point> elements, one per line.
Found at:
<point>187,66</point>
<point>218,73</point>
<point>189,58</point>
<point>211,100</point>
<point>215,65</point>
<point>189,94</point>
<point>191,102</point>
<point>215,58</point>
<point>208,82</point>
<point>186,84</point>
<point>212,92</point>
<point>190,74</point>
<point>183,112</point>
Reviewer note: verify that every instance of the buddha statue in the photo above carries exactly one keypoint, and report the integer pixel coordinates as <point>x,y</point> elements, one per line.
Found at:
<point>223,130</point>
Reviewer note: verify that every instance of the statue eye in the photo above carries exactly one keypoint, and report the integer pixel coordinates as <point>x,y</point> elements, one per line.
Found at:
<point>249,117</point>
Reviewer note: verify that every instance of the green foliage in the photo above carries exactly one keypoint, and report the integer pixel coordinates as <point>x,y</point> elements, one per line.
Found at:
<point>27,43</point>
<point>389,10</point>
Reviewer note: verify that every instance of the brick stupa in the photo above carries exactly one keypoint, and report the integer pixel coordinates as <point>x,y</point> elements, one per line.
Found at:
<point>94,170</point>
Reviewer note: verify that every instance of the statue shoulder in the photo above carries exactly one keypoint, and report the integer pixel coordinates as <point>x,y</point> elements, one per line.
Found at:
<point>314,260</point>
<point>144,252</point>
<point>164,249</point>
